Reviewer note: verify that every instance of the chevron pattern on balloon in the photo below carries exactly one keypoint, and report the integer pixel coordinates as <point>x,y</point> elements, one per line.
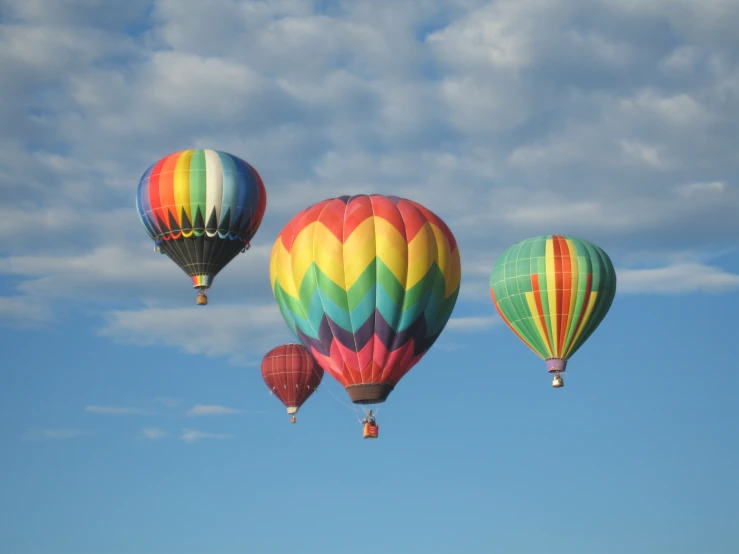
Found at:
<point>367,282</point>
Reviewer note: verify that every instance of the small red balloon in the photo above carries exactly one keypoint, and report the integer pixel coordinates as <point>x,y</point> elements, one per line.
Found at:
<point>291,374</point>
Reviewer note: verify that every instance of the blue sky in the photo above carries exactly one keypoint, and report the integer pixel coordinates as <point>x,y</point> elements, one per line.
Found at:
<point>132,420</point>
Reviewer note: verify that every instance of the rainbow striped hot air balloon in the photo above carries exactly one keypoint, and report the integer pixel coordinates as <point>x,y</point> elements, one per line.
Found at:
<point>553,291</point>
<point>201,208</point>
<point>367,283</point>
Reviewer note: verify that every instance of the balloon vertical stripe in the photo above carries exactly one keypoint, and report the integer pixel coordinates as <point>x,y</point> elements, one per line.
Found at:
<point>587,308</point>
<point>181,187</point>
<point>156,216</point>
<point>536,304</point>
<point>574,285</point>
<point>552,294</point>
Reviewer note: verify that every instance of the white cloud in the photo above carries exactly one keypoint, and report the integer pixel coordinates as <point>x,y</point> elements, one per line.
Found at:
<point>239,331</point>
<point>74,11</point>
<point>168,401</point>
<point>223,25</point>
<point>209,410</point>
<point>499,35</point>
<point>556,211</point>
<point>677,109</point>
<point>475,106</point>
<point>50,49</point>
<point>552,151</point>
<point>100,271</point>
<point>692,189</point>
<point>117,410</point>
<point>154,433</point>
<point>691,19</point>
<point>644,153</point>
<point>24,311</point>
<point>104,275</point>
<point>471,324</point>
<point>173,85</point>
<point>56,434</point>
<point>679,278</point>
<point>191,436</point>
<point>682,59</point>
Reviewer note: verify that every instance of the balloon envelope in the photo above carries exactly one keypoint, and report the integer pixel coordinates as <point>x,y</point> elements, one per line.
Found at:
<point>367,283</point>
<point>292,374</point>
<point>553,291</point>
<point>201,208</point>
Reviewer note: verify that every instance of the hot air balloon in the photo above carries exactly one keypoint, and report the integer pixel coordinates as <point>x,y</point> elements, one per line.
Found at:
<point>201,208</point>
<point>553,291</point>
<point>367,284</point>
<point>292,374</point>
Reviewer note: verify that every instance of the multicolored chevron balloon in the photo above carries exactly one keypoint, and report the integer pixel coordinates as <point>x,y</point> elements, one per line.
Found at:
<point>201,208</point>
<point>367,283</point>
<point>553,291</point>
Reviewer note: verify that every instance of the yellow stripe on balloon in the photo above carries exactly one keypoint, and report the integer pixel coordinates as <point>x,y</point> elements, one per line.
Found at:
<point>552,292</point>
<point>536,316</point>
<point>282,272</point>
<point>360,251</point>
<point>454,276</point>
<point>327,252</point>
<point>391,248</point>
<point>443,258</point>
<point>422,253</point>
<point>591,303</point>
<point>182,188</point>
<point>274,267</point>
<point>574,282</point>
<point>448,261</point>
<point>301,257</point>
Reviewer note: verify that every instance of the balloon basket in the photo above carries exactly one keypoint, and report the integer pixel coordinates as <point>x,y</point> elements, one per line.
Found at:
<point>202,300</point>
<point>558,381</point>
<point>371,431</point>
<point>293,419</point>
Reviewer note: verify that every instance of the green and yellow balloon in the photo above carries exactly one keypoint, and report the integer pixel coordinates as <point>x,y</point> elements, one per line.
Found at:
<point>553,291</point>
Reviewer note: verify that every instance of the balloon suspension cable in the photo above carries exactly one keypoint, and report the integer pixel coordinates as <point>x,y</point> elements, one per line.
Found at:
<point>374,408</point>
<point>324,385</point>
<point>351,407</point>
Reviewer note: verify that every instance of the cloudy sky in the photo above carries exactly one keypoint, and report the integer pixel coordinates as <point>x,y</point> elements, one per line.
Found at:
<point>613,120</point>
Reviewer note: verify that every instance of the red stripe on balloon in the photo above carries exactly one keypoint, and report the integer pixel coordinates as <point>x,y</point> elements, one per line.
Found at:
<point>155,200</point>
<point>356,212</point>
<point>537,299</point>
<point>438,222</point>
<point>566,284</point>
